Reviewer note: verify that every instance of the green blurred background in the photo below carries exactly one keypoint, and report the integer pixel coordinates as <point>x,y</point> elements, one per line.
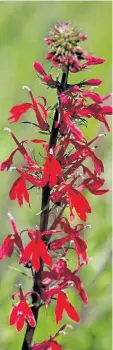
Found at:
<point>23,25</point>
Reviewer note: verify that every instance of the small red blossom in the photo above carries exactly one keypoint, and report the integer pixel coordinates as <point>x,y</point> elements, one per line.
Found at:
<point>36,249</point>
<point>7,247</point>
<point>39,109</point>
<point>60,271</point>
<point>52,170</point>
<point>21,312</point>
<point>73,235</point>
<point>19,191</point>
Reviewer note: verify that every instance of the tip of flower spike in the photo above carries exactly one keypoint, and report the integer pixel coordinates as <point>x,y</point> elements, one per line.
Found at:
<point>7,129</point>
<point>26,87</point>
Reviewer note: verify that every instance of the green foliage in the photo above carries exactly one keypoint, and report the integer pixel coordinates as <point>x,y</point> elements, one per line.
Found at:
<point>23,26</point>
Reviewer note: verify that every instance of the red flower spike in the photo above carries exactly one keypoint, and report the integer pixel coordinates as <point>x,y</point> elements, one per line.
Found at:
<point>21,312</point>
<point>19,191</point>
<point>64,174</point>
<point>35,250</point>
<point>64,304</point>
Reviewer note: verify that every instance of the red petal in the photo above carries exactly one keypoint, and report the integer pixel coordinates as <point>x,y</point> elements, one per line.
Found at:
<point>71,311</point>
<point>43,110</point>
<point>13,315</point>
<point>27,253</point>
<point>59,243</point>
<point>74,129</point>
<point>28,314</point>
<point>30,178</point>
<point>94,96</point>
<point>18,111</point>
<point>106,110</point>
<point>6,249</point>
<point>20,322</point>
<point>55,346</point>
<point>36,256</point>
<point>61,300</point>
<point>22,150</point>
<point>44,254</point>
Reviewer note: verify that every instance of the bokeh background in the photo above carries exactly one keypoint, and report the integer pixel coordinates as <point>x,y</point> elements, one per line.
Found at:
<point>23,25</point>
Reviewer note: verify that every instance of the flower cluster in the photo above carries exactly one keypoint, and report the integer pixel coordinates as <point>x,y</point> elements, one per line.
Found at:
<point>63,178</point>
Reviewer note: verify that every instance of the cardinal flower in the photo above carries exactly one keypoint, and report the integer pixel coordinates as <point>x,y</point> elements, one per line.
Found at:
<point>39,109</point>
<point>73,235</point>
<point>19,191</point>
<point>60,271</point>
<point>22,312</point>
<point>7,247</point>
<point>52,170</point>
<point>36,249</point>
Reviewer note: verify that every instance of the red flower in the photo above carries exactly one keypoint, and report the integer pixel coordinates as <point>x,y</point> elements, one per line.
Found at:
<point>19,191</point>
<point>75,199</point>
<point>52,170</point>
<point>18,110</point>
<point>60,271</point>
<point>65,117</point>
<point>64,304</point>
<point>7,247</point>
<point>96,111</point>
<point>72,235</point>
<point>21,312</point>
<point>36,249</point>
